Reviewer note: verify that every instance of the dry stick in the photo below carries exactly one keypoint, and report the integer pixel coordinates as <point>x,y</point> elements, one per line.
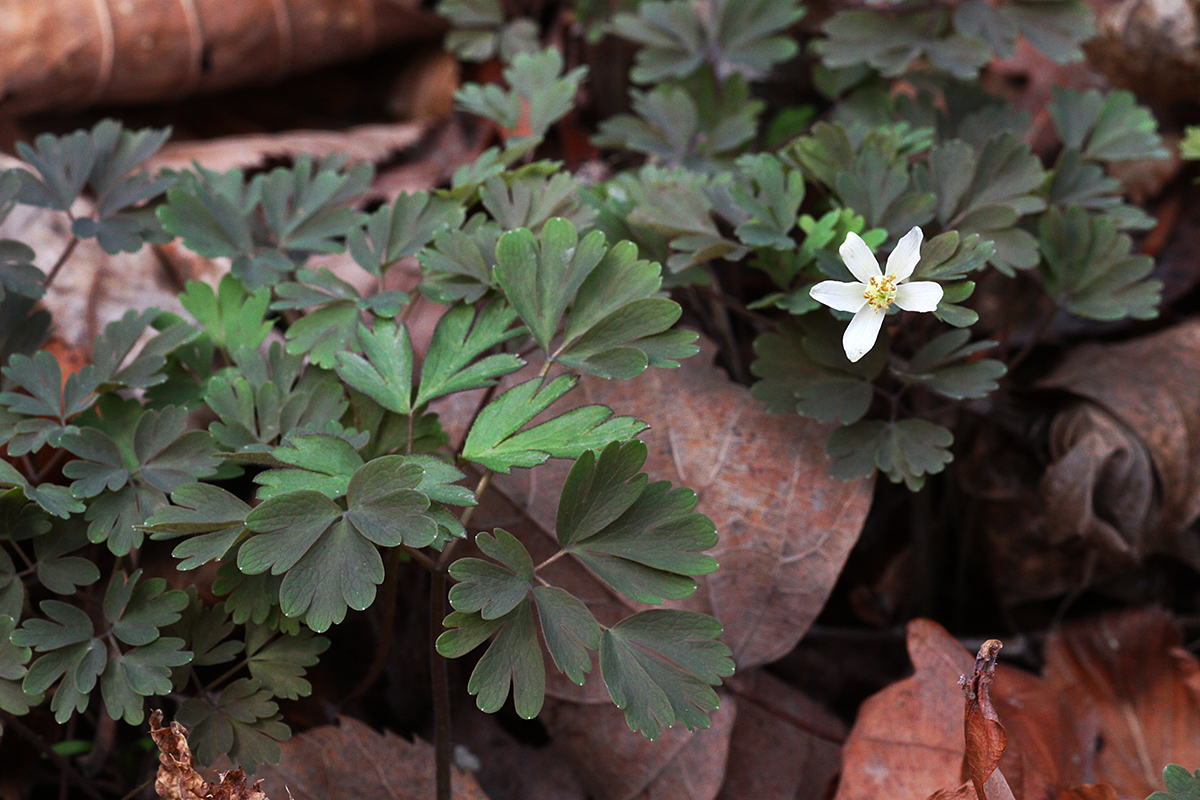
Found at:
<point>62,259</point>
<point>61,761</point>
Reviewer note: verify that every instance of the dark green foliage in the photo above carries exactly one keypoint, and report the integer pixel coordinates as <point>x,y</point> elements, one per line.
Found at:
<point>1181,784</point>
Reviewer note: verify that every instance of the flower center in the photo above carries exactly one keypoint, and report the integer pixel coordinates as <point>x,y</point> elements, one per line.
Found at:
<point>881,292</point>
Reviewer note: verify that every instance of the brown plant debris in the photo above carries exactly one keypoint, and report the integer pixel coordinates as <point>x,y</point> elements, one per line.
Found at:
<point>177,777</point>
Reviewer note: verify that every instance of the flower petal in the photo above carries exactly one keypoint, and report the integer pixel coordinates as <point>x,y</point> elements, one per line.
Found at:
<point>862,332</point>
<point>904,258</point>
<point>842,296</point>
<point>919,295</point>
<point>859,258</point>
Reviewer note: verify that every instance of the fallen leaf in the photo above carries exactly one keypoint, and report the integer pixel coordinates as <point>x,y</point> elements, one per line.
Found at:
<point>177,777</point>
<point>1136,689</point>
<point>364,143</point>
<point>350,761</point>
<point>907,742</point>
<point>784,746</point>
<point>679,765</point>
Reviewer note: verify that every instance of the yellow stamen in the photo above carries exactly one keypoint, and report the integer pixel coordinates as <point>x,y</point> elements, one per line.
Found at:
<point>881,292</point>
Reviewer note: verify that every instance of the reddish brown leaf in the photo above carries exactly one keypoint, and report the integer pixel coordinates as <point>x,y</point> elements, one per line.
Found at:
<point>350,761</point>
<point>985,736</point>
<point>1135,690</point>
<point>908,740</point>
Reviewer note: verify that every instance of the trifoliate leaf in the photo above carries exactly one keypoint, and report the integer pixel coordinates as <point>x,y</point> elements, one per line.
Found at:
<point>771,195</point>
<point>279,664</point>
<point>243,724</point>
<point>950,257</point>
<point>569,630</point>
<point>1181,784</point>
<point>539,95</point>
<point>494,442</point>
<point>462,335</point>
<point>206,632</point>
<point>906,450</point>
<point>492,589</point>
<point>1105,127</point>
<point>211,517</point>
<point>386,372</point>
<point>528,200</point>
<point>102,160</point>
<point>892,42</point>
<point>131,676</point>
<point>1090,269</point>
<point>401,229</point>
<point>115,516</point>
<point>12,589</point>
<point>1056,28</point>
<point>660,666</point>
<point>942,365</point>
<point>70,651</point>
<point>987,192</point>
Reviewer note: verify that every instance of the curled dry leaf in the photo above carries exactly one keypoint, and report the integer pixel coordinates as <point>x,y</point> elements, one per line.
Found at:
<point>350,761</point>
<point>1127,474</point>
<point>985,736</point>
<point>177,777</point>
<point>57,54</point>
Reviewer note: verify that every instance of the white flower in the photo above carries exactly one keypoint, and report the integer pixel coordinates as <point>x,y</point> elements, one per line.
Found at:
<point>874,292</point>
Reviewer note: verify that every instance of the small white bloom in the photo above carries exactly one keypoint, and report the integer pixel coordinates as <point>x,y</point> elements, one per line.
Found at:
<point>874,292</point>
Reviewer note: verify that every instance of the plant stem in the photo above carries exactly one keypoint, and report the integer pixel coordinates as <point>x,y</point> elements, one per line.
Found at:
<point>387,625</point>
<point>62,259</point>
<point>440,674</point>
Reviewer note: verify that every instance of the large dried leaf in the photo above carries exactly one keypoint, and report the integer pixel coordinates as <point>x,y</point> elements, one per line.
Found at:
<point>680,765</point>
<point>908,740</point>
<point>784,745</point>
<point>1134,688</point>
<point>350,761</point>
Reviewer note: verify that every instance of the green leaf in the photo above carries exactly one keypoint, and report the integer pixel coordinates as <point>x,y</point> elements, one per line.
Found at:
<point>489,588</point>
<point>937,366</point>
<point>539,95</point>
<point>527,200</point>
<point>462,334</point>
<point>211,517</point>
<point>906,450</point>
<point>891,43</point>
<point>243,724</point>
<point>459,264</point>
<point>232,316</point>
<point>1181,784</point>
<point>660,665</point>
<point>56,570</point>
<point>115,516</point>
<point>569,630</point>
<point>385,506</point>
<point>13,659</point>
<point>540,275</point>
<point>319,462</point>
<point>642,539</point>
<point>279,664</point>
<point>1090,269</point>
<point>493,440</point>
<point>136,609</point>
<point>512,659</point>
<point>792,381</point>
<point>401,229</point>
<point>141,672</point>
<point>386,373</point>
<point>1105,127</point>
<point>771,195</point>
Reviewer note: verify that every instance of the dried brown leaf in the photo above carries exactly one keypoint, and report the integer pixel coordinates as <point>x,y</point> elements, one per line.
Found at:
<point>985,736</point>
<point>679,765</point>
<point>784,746</point>
<point>908,740</point>
<point>350,761</point>
<point>1135,689</point>
<point>177,777</point>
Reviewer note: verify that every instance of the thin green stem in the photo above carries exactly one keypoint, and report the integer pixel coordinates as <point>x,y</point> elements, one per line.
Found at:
<point>550,560</point>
